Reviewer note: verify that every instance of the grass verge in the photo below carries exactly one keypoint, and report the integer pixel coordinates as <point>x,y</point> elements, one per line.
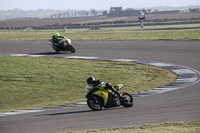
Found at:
<point>30,82</point>
<point>186,34</point>
<point>179,127</point>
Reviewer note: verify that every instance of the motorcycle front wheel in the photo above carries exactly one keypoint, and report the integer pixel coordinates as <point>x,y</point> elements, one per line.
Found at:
<point>126,100</point>
<point>95,103</point>
<point>72,49</point>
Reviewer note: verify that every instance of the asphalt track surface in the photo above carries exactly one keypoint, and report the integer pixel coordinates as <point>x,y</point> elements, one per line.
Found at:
<point>180,105</point>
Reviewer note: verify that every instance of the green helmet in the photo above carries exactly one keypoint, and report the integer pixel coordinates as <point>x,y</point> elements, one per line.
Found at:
<point>57,34</point>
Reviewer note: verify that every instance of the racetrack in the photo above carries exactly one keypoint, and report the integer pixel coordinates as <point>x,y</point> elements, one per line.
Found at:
<point>173,106</point>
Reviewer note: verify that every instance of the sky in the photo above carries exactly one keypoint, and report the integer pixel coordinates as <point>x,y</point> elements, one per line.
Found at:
<point>90,4</point>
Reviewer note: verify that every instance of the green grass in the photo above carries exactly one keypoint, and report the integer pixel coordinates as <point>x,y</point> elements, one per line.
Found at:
<point>186,34</point>
<point>31,82</point>
<point>184,127</point>
<point>147,27</point>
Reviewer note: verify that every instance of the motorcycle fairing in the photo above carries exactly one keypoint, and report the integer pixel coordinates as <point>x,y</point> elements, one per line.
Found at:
<point>101,92</point>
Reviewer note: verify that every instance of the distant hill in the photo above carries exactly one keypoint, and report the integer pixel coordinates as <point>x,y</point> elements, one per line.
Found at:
<point>96,20</point>
<point>164,8</point>
<point>50,13</point>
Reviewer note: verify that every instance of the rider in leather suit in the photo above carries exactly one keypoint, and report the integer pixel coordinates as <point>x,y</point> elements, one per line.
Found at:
<point>56,38</point>
<point>97,83</point>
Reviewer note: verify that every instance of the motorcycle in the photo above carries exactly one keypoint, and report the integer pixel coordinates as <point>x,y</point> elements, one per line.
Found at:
<point>106,98</point>
<point>65,45</point>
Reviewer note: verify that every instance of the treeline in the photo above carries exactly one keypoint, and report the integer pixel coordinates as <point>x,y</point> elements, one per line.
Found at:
<point>42,13</point>
<point>77,13</point>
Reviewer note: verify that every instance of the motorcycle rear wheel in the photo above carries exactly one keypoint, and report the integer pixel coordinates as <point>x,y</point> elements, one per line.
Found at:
<point>95,103</point>
<point>127,100</point>
<point>56,49</point>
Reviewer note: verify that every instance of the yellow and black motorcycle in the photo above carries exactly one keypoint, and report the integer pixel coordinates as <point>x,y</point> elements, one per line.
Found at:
<point>102,97</point>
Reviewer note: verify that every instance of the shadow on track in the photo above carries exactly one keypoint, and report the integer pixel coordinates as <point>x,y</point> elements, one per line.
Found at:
<point>66,113</point>
<point>80,112</point>
<point>51,53</point>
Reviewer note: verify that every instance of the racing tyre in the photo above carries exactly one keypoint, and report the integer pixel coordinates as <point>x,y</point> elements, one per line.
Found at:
<point>72,49</point>
<point>94,102</point>
<point>126,100</point>
<point>56,49</point>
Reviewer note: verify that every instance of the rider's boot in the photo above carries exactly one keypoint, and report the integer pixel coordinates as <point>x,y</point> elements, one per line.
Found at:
<point>109,86</point>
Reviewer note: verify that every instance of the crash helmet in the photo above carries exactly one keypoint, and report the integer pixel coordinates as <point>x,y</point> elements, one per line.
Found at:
<point>57,34</point>
<point>90,80</point>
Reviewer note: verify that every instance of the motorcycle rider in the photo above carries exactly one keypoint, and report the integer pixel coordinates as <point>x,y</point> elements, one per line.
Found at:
<point>97,83</point>
<point>57,38</point>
